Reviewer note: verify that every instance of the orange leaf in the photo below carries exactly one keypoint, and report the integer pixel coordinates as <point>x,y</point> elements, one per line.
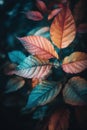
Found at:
<point>41,6</point>
<point>63,28</point>
<point>35,81</point>
<point>40,46</point>
<point>75,63</point>
<point>59,120</point>
<point>53,13</point>
<point>34,15</point>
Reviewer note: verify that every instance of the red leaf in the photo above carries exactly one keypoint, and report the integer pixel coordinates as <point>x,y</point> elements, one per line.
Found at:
<point>34,15</point>
<point>40,46</point>
<point>53,13</point>
<point>41,6</point>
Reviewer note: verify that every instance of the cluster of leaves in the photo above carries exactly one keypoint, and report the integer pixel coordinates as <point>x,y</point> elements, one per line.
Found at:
<point>47,47</point>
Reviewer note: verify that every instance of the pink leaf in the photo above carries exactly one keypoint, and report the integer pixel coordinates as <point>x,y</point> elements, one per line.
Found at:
<point>40,46</point>
<point>34,15</point>
<point>41,6</point>
<point>75,63</point>
<point>53,13</point>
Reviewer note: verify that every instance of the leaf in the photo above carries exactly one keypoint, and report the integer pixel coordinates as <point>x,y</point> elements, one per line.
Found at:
<point>75,63</point>
<point>82,28</point>
<point>63,29</point>
<point>16,56</point>
<point>33,67</point>
<point>75,91</point>
<point>41,6</point>
<point>42,30</point>
<point>14,84</point>
<point>54,13</point>
<point>40,112</point>
<point>42,94</point>
<point>34,15</point>
<point>40,46</point>
<point>59,120</point>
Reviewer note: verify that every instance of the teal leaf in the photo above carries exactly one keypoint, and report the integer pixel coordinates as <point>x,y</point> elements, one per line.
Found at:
<point>42,94</point>
<point>75,91</point>
<point>40,112</point>
<point>16,56</point>
<point>14,84</point>
<point>32,67</point>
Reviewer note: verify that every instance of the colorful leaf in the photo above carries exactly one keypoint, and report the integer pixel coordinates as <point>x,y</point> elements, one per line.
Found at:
<point>75,63</point>
<point>34,15</point>
<point>54,13</point>
<point>43,93</point>
<point>42,30</point>
<point>33,67</point>
<point>41,6</point>
<point>75,91</point>
<point>63,30</point>
<point>14,84</point>
<point>16,56</point>
<point>82,28</point>
<point>59,120</point>
<point>40,46</point>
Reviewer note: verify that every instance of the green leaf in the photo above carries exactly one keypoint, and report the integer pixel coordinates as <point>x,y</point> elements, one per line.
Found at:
<point>75,91</point>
